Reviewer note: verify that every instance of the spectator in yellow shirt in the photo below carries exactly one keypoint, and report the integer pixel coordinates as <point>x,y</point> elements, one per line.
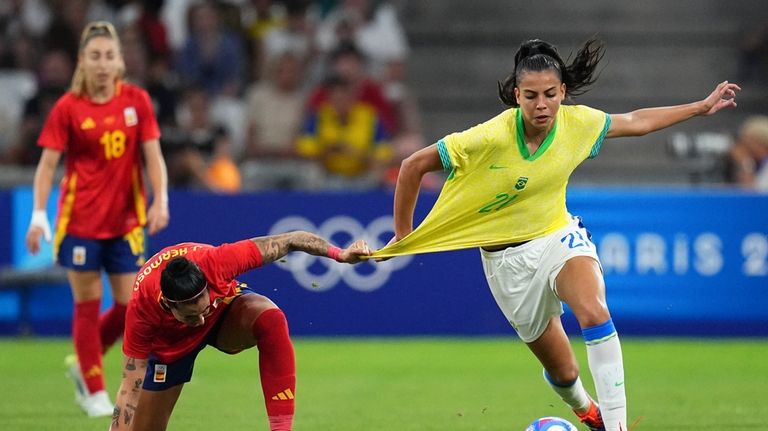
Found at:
<point>346,135</point>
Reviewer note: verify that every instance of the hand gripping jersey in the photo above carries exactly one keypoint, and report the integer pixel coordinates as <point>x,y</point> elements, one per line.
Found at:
<point>102,192</point>
<point>149,325</point>
<point>497,193</point>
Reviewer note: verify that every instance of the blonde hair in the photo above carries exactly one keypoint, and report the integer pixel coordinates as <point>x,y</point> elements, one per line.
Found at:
<point>92,30</point>
<point>756,127</point>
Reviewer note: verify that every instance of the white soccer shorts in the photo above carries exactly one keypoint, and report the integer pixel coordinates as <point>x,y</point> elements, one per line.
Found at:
<point>522,278</point>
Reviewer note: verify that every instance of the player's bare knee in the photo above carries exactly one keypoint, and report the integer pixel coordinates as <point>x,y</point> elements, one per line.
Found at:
<point>593,320</point>
<point>238,330</point>
<point>591,312</point>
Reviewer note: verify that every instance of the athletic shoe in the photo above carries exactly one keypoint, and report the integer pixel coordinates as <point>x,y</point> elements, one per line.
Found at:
<point>97,405</point>
<point>94,405</point>
<point>592,418</point>
<point>73,372</point>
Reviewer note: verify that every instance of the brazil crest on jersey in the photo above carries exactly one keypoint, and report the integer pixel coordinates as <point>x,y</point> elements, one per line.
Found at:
<point>497,193</point>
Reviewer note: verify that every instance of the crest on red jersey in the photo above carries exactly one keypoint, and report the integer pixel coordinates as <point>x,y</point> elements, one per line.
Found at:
<point>131,119</point>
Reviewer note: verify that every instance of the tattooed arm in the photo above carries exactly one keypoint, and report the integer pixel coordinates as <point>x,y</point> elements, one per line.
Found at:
<point>274,247</point>
<point>128,395</point>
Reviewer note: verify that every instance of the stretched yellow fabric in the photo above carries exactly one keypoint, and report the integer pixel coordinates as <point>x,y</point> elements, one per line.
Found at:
<point>498,193</point>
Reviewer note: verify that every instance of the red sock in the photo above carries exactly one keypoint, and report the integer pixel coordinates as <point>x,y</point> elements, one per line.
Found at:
<point>85,335</point>
<point>111,325</point>
<point>277,368</point>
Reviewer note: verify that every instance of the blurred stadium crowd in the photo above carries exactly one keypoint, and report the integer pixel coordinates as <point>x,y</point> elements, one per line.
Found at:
<point>268,94</point>
<point>249,94</point>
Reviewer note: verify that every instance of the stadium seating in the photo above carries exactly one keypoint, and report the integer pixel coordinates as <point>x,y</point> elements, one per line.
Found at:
<point>460,50</point>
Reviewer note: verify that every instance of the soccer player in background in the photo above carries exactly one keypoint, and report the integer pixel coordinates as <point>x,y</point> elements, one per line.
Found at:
<point>104,126</point>
<point>506,194</point>
<point>185,298</point>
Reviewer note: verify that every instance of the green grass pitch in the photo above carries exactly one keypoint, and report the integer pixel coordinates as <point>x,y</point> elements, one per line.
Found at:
<point>418,384</point>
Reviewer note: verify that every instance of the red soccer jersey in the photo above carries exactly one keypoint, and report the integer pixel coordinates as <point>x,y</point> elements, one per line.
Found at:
<point>102,192</point>
<point>151,328</point>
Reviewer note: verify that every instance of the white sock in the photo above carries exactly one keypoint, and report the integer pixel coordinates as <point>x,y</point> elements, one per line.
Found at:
<point>574,394</point>
<point>605,363</point>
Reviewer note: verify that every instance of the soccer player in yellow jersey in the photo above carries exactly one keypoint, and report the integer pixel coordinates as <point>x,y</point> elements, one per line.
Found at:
<point>506,194</point>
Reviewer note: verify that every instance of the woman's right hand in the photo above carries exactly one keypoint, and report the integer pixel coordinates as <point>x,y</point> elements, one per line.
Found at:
<point>354,252</point>
<point>38,226</point>
<point>723,96</point>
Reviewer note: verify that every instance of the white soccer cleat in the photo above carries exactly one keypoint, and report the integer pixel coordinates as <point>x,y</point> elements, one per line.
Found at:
<point>94,405</point>
<point>97,405</point>
<point>73,372</point>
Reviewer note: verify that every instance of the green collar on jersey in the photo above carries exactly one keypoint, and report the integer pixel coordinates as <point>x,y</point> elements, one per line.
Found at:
<point>520,128</point>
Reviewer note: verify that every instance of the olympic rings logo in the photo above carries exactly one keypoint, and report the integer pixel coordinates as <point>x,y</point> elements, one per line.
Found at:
<point>319,274</point>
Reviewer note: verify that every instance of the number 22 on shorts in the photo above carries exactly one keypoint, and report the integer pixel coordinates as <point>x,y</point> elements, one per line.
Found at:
<point>574,240</point>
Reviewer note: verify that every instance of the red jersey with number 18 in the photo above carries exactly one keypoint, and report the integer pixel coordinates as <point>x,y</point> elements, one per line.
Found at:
<point>102,192</point>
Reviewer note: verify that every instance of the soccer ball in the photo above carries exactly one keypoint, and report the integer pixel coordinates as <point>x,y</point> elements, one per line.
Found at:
<point>551,424</point>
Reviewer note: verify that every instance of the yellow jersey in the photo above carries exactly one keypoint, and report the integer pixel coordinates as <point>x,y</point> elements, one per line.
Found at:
<point>497,192</point>
<point>345,144</point>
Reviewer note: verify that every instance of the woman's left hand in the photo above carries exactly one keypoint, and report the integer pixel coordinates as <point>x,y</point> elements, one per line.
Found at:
<point>724,96</point>
<point>157,217</point>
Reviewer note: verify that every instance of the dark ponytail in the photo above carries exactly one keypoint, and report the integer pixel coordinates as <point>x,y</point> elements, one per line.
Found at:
<point>181,280</point>
<point>535,55</point>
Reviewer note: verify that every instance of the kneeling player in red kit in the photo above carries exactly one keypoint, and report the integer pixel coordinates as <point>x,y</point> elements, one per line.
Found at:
<point>185,298</point>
